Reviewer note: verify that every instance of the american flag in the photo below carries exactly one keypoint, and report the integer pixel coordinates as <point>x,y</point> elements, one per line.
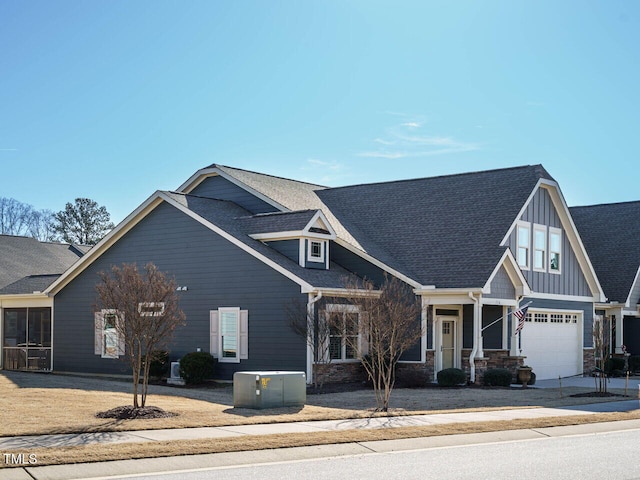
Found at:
<point>521,314</point>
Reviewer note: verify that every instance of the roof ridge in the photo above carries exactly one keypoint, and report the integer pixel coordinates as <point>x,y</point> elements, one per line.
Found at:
<point>268,214</point>
<point>449,175</point>
<point>217,165</point>
<point>627,202</point>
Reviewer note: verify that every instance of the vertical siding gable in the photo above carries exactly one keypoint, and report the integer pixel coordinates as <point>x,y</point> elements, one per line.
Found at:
<point>502,286</point>
<point>572,280</point>
<point>222,189</point>
<point>217,274</point>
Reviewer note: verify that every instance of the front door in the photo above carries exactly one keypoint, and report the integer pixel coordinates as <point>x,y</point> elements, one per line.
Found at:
<point>448,344</point>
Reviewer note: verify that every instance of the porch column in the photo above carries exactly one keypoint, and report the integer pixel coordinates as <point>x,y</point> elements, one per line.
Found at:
<point>618,338</point>
<point>477,328</point>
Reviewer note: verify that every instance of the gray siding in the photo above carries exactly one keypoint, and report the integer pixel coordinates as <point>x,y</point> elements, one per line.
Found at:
<point>222,189</point>
<point>467,326</point>
<point>501,286</point>
<point>586,307</point>
<point>631,334</point>
<point>635,295</point>
<point>289,248</point>
<point>217,274</point>
<point>572,280</point>
<point>492,336</point>
<point>355,264</point>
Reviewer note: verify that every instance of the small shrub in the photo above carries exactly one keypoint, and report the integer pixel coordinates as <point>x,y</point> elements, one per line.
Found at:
<point>497,377</point>
<point>530,382</point>
<point>196,367</point>
<point>159,364</point>
<point>450,377</point>
<point>613,364</point>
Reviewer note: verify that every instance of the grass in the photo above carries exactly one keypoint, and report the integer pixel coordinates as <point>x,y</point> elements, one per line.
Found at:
<point>48,404</point>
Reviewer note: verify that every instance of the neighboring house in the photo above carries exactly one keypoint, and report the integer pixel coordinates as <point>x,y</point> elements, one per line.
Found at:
<point>27,268</point>
<point>611,235</point>
<point>243,245</point>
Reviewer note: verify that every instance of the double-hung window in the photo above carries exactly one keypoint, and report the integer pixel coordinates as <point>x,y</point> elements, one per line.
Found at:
<point>555,249</point>
<point>344,332</point>
<point>539,248</point>
<point>229,334</point>
<point>524,245</point>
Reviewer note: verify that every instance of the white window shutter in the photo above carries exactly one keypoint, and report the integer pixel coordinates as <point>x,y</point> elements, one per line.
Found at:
<point>120,333</point>
<point>213,333</point>
<point>98,320</point>
<point>244,334</point>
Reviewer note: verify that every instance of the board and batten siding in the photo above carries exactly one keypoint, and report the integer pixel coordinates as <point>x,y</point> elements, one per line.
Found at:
<point>222,189</point>
<point>216,273</point>
<point>571,280</point>
<point>502,286</point>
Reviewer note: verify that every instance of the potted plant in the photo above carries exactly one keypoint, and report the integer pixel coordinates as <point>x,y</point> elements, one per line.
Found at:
<point>524,375</point>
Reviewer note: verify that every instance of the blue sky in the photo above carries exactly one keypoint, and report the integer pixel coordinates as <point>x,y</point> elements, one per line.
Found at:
<point>113,100</point>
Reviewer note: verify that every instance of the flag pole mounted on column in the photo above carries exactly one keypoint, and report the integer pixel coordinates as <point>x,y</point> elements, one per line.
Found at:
<point>520,314</point>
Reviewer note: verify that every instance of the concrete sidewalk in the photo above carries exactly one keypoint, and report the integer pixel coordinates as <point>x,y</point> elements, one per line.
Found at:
<point>205,462</point>
<point>29,442</point>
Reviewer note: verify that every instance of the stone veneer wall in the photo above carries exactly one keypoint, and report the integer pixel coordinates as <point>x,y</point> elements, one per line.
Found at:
<point>355,372</point>
<point>588,361</point>
<point>491,359</point>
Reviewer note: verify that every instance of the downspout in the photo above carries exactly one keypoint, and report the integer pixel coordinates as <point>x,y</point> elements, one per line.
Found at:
<point>310,349</point>
<point>476,343</point>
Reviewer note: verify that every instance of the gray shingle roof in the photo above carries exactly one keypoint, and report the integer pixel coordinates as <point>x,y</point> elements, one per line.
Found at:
<point>30,284</point>
<point>228,216</point>
<point>446,229</point>
<point>277,222</point>
<point>23,256</point>
<point>611,235</point>
<point>443,231</point>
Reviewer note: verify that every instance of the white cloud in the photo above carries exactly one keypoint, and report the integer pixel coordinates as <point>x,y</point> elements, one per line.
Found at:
<point>390,155</point>
<point>411,124</point>
<point>384,142</point>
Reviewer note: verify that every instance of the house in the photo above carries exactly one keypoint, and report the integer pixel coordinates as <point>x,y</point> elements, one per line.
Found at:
<point>611,235</point>
<point>27,268</point>
<point>242,245</point>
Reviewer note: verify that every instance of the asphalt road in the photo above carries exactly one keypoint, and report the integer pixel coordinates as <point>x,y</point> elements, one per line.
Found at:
<point>593,456</point>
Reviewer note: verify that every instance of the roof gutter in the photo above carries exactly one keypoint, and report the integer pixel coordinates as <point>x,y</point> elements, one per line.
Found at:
<point>476,338</point>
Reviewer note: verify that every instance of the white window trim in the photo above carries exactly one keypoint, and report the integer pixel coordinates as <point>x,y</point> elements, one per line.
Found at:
<point>555,231</point>
<point>311,258</point>
<point>526,225</point>
<point>221,357</point>
<point>344,308</point>
<point>152,306</point>
<point>534,249</point>
<point>103,332</point>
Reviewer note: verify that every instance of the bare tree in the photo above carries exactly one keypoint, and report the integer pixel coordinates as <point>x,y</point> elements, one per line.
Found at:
<point>84,222</point>
<point>390,320</point>
<point>41,225</point>
<point>145,315</point>
<point>14,216</point>
<point>302,322</point>
<point>601,339</point>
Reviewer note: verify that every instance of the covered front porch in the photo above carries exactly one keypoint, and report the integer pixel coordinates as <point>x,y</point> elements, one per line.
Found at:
<point>471,333</point>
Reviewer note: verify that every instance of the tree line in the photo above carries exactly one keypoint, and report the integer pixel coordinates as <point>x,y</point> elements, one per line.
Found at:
<point>82,222</point>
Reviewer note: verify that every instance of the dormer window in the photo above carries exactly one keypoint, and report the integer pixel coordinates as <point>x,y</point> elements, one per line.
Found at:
<point>315,251</point>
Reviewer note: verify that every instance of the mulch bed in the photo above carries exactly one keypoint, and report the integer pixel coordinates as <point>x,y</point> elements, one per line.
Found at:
<point>596,394</point>
<point>128,412</point>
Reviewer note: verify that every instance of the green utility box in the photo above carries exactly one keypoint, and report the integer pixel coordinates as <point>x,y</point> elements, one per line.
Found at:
<point>269,389</point>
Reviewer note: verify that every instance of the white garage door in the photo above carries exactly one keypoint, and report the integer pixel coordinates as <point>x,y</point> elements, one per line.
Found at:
<point>552,343</point>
